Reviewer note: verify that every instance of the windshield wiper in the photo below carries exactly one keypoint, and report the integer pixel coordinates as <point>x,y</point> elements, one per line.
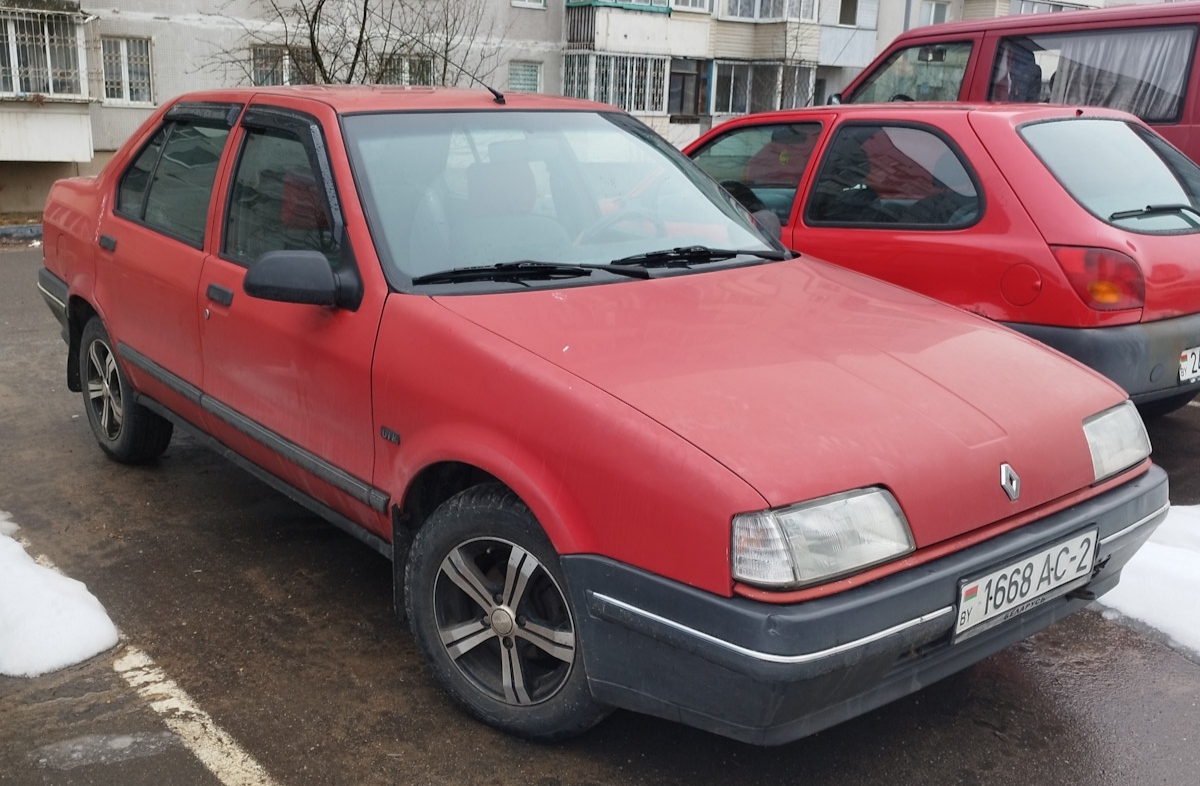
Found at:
<point>1151,210</point>
<point>525,269</point>
<point>686,255</point>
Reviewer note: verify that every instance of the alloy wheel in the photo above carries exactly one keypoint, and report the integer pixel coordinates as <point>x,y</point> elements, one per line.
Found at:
<point>104,392</point>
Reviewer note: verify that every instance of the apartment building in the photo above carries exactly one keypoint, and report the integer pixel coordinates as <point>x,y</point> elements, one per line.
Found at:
<point>897,16</point>
<point>77,78</point>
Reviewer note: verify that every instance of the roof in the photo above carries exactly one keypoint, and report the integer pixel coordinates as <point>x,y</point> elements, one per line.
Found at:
<point>1141,14</point>
<point>349,99</point>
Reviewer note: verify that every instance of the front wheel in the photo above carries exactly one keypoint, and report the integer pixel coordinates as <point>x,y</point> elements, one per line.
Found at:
<point>126,431</point>
<point>486,602</point>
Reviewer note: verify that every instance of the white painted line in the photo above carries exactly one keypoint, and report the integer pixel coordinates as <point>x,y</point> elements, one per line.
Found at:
<point>211,744</point>
<point>1194,403</point>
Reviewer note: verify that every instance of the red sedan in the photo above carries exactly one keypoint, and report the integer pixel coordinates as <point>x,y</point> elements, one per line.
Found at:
<point>1076,227</point>
<point>621,448</point>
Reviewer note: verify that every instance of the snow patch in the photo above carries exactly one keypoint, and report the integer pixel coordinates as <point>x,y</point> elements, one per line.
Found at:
<point>47,621</point>
<point>1160,586</point>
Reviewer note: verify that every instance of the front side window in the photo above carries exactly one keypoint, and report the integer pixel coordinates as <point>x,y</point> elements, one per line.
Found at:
<point>929,72</point>
<point>1145,185</point>
<point>1142,71</point>
<point>466,189</point>
<point>169,184</point>
<point>881,176</point>
<point>39,53</point>
<point>127,70</point>
<point>761,166</point>
<point>277,201</point>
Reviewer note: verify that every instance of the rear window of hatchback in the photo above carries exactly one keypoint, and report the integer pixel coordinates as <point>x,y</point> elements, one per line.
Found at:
<point>1144,186</point>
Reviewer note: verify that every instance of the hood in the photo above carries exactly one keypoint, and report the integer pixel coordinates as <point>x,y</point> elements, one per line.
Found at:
<point>806,379</point>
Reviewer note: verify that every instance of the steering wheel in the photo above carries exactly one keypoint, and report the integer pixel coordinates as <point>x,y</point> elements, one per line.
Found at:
<point>901,97</point>
<point>597,228</point>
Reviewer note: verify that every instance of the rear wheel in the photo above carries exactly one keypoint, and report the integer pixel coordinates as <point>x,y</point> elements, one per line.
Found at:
<point>486,601</point>
<point>126,431</point>
<point>1165,406</point>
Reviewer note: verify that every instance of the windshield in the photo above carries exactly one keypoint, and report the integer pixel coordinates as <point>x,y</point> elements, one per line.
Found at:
<point>444,191</point>
<point>929,72</point>
<point>1123,174</point>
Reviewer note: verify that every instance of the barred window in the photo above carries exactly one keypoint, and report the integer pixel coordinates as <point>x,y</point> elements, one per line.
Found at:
<point>39,53</point>
<point>406,70</point>
<point>634,83</point>
<point>127,69</point>
<point>524,77</point>
<point>280,65</point>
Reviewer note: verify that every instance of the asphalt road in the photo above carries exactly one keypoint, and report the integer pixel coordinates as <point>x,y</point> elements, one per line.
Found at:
<point>280,628</point>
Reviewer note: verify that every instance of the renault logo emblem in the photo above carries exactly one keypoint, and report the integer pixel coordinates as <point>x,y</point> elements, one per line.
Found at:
<point>1010,482</point>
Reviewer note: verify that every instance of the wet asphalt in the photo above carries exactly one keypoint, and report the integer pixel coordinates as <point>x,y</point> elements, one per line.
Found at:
<point>280,627</point>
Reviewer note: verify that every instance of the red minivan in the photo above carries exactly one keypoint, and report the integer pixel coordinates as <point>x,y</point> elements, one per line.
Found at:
<point>1139,59</point>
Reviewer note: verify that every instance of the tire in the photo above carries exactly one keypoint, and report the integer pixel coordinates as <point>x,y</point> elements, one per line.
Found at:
<point>126,431</point>
<point>485,598</point>
<point>1165,406</point>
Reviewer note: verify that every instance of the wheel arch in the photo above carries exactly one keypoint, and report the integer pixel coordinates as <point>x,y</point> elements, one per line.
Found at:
<point>79,311</point>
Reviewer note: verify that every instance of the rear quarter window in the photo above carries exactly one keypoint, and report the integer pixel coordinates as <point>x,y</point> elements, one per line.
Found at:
<point>1121,173</point>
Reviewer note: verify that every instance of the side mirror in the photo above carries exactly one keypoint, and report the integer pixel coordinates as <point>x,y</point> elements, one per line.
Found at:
<point>836,98</point>
<point>292,277</point>
<point>768,222</point>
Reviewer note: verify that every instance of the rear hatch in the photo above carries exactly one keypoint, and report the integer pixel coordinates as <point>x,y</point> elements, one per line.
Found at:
<point>1098,179</point>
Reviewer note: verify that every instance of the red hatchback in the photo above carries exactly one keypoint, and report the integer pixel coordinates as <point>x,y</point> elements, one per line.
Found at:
<point>621,448</point>
<point>1077,227</point>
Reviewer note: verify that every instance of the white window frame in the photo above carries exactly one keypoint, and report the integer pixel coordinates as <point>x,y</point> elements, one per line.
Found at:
<point>537,5</point>
<point>781,71</point>
<point>405,70</point>
<point>932,7</point>
<point>537,68</point>
<point>760,10</point>
<point>8,39</point>
<point>126,87</point>
<point>692,6</point>
<point>841,8</point>
<point>285,65</point>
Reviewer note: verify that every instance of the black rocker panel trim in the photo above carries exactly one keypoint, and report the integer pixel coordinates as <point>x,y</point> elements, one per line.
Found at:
<point>310,462</point>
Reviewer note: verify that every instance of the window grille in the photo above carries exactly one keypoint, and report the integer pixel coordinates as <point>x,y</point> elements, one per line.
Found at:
<point>40,53</point>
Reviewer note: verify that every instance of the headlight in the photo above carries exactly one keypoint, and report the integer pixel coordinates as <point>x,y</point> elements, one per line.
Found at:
<point>818,540</point>
<point>1117,439</point>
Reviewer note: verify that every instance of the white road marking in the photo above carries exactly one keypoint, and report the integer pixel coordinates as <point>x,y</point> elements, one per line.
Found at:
<point>1194,403</point>
<point>211,744</point>
<point>208,742</point>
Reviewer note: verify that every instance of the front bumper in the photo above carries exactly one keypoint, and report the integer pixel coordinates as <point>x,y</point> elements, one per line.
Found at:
<point>770,674</point>
<point>1143,358</point>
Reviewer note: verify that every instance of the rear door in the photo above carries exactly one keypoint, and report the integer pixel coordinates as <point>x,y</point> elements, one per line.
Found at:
<point>151,251</point>
<point>289,385</point>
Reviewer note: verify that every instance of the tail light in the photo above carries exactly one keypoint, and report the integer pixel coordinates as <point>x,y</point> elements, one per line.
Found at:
<point>1105,280</point>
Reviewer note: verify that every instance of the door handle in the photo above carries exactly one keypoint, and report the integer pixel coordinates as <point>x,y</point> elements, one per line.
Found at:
<point>108,242</point>
<point>219,294</point>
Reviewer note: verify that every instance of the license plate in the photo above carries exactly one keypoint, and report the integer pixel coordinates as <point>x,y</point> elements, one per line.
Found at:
<point>986,601</point>
<point>1189,364</point>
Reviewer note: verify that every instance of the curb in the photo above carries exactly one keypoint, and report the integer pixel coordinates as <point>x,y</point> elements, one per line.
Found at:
<point>21,232</point>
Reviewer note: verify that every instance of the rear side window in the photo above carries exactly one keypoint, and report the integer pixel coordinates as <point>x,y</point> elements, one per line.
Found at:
<point>931,72</point>
<point>1122,174</point>
<point>889,175</point>
<point>1143,71</point>
<point>761,166</point>
<point>169,183</point>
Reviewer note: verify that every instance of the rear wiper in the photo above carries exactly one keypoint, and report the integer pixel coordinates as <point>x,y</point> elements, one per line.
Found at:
<point>525,269</point>
<point>685,255</point>
<point>1151,210</point>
